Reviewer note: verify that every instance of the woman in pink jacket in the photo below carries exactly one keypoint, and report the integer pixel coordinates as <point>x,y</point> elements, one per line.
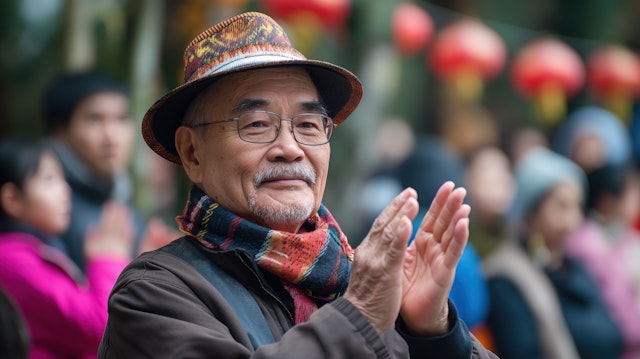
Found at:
<point>609,246</point>
<point>65,311</point>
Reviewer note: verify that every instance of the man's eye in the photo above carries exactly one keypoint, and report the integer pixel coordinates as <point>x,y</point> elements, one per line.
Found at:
<point>94,118</point>
<point>309,123</point>
<point>307,126</point>
<point>258,124</point>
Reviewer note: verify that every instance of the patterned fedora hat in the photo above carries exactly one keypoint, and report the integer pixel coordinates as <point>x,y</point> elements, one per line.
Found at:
<point>245,42</point>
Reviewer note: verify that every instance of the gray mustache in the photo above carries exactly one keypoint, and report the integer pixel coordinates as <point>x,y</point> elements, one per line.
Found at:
<point>270,173</point>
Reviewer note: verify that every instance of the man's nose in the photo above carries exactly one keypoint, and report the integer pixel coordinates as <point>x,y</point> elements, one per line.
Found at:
<point>285,145</point>
<point>286,131</point>
<point>112,130</point>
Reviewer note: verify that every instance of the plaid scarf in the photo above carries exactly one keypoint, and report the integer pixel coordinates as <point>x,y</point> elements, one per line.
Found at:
<point>314,264</point>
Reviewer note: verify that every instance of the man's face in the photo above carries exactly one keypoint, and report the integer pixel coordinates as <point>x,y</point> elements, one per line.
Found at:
<point>229,169</point>
<point>101,132</point>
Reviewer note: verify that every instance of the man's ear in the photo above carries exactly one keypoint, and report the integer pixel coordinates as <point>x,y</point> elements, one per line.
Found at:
<point>189,145</point>
<point>11,200</point>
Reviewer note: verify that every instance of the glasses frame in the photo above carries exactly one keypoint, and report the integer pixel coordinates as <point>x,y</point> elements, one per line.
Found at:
<point>328,128</point>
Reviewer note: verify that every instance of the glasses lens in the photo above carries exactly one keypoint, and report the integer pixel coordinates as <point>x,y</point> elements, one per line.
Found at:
<point>258,126</point>
<point>263,127</point>
<point>312,129</point>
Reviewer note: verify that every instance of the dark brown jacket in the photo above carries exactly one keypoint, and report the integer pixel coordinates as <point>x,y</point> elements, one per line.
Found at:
<point>161,307</point>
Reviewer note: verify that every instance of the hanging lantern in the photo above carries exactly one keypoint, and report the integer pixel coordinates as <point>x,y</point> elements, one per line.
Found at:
<point>307,19</point>
<point>332,14</point>
<point>614,77</point>
<point>411,28</point>
<point>238,4</point>
<point>465,54</point>
<point>549,72</point>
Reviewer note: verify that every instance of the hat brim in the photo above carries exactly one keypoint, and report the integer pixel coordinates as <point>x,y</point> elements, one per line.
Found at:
<point>339,89</point>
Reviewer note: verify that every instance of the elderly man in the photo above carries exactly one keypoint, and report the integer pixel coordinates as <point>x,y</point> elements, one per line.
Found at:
<point>263,268</point>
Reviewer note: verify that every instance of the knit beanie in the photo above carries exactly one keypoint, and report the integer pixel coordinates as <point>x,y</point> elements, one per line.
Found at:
<point>538,172</point>
<point>592,120</point>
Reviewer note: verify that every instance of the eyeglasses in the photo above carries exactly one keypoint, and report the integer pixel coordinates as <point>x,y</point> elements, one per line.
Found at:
<point>311,129</point>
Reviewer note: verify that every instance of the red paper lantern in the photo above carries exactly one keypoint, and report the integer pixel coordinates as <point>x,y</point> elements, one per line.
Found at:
<point>232,3</point>
<point>467,53</point>
<point>411,28</point>
<point>332,14</point>
<point>549,72</point>
<point>614,77</point>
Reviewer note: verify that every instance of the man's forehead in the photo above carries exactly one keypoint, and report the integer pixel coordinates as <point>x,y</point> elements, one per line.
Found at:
<point>244,84</point>
<point>240,91</point>
<point>248,104</point>
<point>251,76</point>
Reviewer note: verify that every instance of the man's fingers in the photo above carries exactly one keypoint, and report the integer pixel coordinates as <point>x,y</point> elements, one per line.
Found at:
<point>447,236</point>
<point>376,282</point>
<point>387,240</point>
<point>438,203</point>
<point>392,239</point>
<point>444,220</point>
<point>458,242</point>
<point>391,211</point>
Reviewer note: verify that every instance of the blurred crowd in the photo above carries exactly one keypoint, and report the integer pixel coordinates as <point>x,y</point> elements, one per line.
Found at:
<point>68,222</point>
<point>552,266</point>
<point>551,270</point>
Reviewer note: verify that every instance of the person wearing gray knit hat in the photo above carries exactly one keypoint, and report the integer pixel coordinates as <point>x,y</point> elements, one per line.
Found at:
<point>592,137</point>
<point>543,303</point>
<point>537,172</point>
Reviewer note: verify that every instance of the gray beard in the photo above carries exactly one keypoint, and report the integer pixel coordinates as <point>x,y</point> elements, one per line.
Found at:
<point>283,214</point>
<point>272,215</point>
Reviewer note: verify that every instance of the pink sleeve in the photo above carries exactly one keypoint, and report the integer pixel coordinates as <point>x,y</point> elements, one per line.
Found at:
<point>608,269</point>
<point>57,308</point>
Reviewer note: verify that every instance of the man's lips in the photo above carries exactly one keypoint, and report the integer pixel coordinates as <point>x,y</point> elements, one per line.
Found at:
<point>291,181</point>
<point>109,155</point>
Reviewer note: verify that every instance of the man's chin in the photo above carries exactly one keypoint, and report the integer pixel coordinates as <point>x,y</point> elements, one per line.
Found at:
<point>284,212</point>
<point>105,170</point>
<point>285,196</point>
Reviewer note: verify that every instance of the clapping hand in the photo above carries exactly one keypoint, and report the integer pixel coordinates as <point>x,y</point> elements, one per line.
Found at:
<point>388,278</point>
<point>430,262</point>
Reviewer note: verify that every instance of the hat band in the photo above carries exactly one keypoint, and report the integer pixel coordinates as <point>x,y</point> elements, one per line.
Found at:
<point>251,60</point>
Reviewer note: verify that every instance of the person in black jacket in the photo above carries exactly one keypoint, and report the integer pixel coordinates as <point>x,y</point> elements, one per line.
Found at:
<point>87,117</point>
<point>263,269</point>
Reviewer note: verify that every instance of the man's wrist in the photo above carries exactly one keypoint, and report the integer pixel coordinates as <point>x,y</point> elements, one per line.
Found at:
<point>456,343</point>
<point>440,327</point>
